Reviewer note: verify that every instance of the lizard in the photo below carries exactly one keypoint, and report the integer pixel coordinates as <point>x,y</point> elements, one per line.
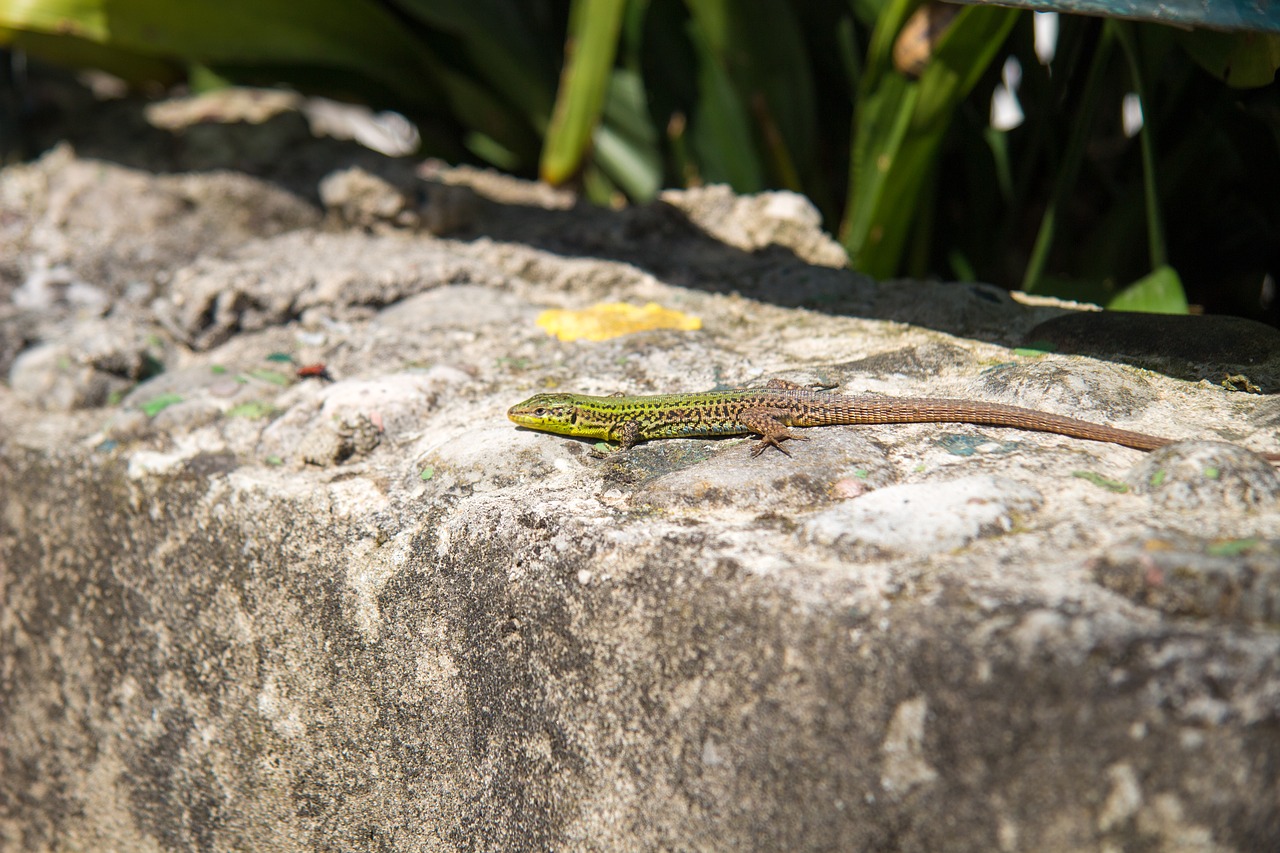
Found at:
<point>769,412</point>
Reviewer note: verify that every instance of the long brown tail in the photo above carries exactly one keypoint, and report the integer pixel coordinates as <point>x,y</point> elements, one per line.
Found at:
<point>880,410</point>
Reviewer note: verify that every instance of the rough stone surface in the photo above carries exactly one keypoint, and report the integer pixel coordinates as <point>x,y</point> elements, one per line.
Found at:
<point>243,608</point>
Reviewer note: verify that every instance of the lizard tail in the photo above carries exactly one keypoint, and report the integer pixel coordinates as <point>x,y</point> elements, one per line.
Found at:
<point>886,410</point>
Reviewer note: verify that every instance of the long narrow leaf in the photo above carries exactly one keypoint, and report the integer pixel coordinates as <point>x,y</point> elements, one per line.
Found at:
<point>721,129</point>
<point>626,144</point>
<point>501,41</point>
<point>1070,165</point>
<point>353,34</point>
<point>761,60</point>
<point>882,126</point>
<point>589,54</point>
<point>900,130</point>
<point>83,53</point>
<point>1151,194</point>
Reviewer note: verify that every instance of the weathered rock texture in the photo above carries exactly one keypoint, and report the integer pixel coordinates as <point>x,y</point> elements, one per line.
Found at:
<point>240,610</point>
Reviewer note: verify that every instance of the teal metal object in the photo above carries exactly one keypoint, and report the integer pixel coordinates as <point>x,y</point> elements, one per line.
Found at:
<point>1230,15</point>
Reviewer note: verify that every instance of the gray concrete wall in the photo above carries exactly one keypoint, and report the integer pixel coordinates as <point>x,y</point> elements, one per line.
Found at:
<point>270,613</point>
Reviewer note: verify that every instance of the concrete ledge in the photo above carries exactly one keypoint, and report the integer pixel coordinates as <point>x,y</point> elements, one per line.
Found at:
<point>240,609</point>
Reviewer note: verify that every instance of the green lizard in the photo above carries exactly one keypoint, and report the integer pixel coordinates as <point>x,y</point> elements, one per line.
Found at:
<point>769,411</point>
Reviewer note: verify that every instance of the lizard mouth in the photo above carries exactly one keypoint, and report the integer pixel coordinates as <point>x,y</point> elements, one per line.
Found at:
<point>541,422</point>
<point>524,418</point>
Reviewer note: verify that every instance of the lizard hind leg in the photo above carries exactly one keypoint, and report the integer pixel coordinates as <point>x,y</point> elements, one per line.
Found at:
<point>772,431</point>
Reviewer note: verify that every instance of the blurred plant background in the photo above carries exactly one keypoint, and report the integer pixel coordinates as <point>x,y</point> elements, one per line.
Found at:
<point>1134,165</point>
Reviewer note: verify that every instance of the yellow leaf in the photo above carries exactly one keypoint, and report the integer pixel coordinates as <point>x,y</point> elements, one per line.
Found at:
<point>614,319</point>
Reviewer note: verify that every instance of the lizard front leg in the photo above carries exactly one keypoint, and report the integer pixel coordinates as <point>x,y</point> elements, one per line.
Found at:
<point>627,433</point>
<point>772,431</point>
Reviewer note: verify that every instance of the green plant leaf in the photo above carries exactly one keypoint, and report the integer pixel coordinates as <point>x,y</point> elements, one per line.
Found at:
<point>754,83</point>
<point>1241,60</point>
<point>1124,34</point>
<point>504,46</point>
<point>882,124</point>
<point>1101,482</point>
<point>720,131</point>
<point>1159,292</point>
<point>1069,168</point>
<point>356,35</point>
<point>900,126</point>
<point>626,144</point>
<point>78,52</point>
<point>156,405</point>
<point>589,54</point>
<point>1232,547</point>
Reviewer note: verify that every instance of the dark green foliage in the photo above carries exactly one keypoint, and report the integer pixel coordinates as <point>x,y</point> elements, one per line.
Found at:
<point>624,97</point>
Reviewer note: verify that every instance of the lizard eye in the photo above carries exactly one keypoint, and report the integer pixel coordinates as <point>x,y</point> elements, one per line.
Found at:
<point>539,413</point>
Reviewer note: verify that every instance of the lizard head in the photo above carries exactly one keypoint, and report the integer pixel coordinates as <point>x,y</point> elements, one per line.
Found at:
<point>550,413</point>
